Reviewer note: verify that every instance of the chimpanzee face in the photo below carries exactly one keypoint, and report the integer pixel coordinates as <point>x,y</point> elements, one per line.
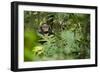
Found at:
<point>45,28</point>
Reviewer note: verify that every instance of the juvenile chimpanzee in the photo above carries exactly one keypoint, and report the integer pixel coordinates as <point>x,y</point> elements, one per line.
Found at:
<point>45,29</point>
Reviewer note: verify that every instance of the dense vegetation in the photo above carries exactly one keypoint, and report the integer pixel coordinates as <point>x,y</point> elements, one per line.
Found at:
<point>70,38</point>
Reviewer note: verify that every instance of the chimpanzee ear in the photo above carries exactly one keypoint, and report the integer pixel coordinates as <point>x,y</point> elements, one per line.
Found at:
<point>41,28</point>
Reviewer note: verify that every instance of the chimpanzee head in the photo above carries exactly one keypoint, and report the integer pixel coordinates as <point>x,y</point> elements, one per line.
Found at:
<point>44,29</point>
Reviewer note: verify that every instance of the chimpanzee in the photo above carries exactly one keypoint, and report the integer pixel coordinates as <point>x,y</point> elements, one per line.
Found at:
<point>45,29</point>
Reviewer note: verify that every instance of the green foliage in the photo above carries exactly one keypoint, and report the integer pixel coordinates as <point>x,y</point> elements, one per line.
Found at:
<point>70,38</point>
<point>28,55</point>
<point>30,38</point>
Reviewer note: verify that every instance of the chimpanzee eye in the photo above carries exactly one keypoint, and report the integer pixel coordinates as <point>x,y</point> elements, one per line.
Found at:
<point>45,26</point>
